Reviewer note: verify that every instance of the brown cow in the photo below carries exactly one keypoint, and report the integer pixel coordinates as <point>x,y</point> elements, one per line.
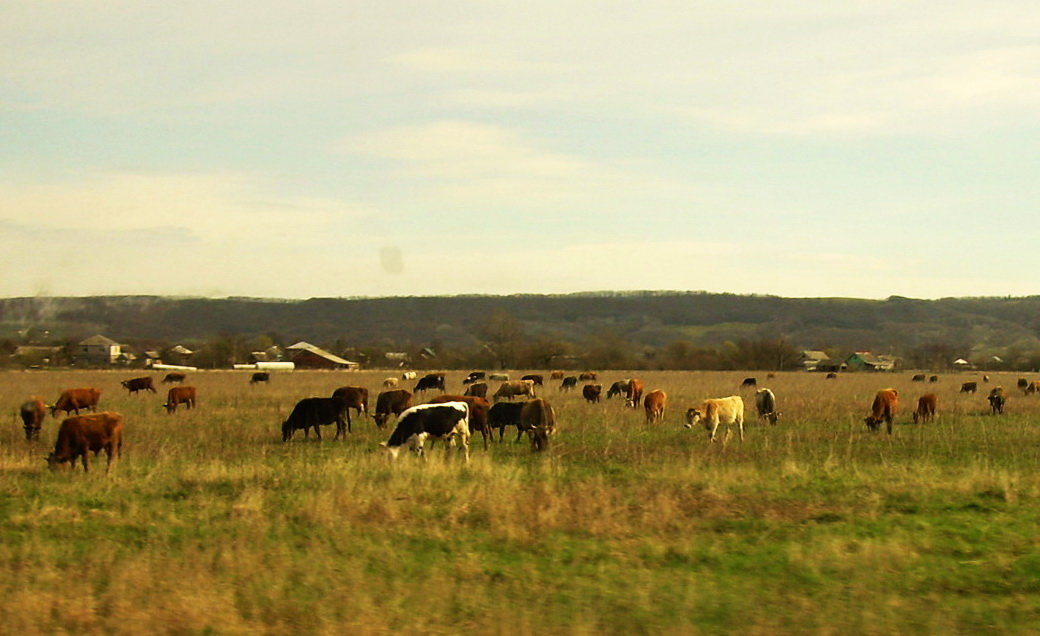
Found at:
<point>1032,387</point>
<point>654,404</point>
<point>260,376</point>
<point>391,403</point>
<point>539,420</point>
<point>172,378</point>
<point>585,376</point>
<point>84,434</point>
<point>884,408</point>
<point>635,392</point>
<point>918,377</point>
<point>591,392</point>
<point>180,395</point>
<point>1023,383</point>
<point>997,398</point>
<point>33,412</point>
<point>556,375</point>
<point>76,399</point>
<point>925,408</point>
<point>478,412</point>
<point>832,376</point>
<point>477,389</point>
<point>356,398</point>
<point>510,390</point>
<point>134,385</point>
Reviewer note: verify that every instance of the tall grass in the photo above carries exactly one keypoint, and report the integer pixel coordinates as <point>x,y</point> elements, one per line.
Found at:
<point>211,523</point>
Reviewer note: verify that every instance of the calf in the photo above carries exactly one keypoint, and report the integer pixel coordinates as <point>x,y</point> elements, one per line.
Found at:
<point>969,387</point>
<point>718,411</point>
<point>430,381</point>
<point>505,414</point>
<point>591,392</point>
<point>76,399</point>
<point>134,385</point>
<point>478,412</point>
<point>925,408</point>
<point>569,383</point>
<point>997,398</point>
<point>314,412</point>
<point>173,378</point>
<point>180,395</point>
<point>510,390</point>
<point>391,403</point>
<point>33,412</point>
<point>477,389</point>
<point>356,398</point>
<point>260,376</point>
<point>654,404</point>
<point>430,421</point>
<point>84,434</point>
<point>765,404</point>
<point>884,408</point>
<point>538,419</point>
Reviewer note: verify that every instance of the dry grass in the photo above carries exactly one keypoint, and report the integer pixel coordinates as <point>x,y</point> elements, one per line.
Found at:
<point>210,523</point>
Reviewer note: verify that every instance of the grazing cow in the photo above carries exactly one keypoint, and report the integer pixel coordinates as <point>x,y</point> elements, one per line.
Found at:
<point>477,389</point>
<point>390,403</point>
<point>618,388</point>
<point>506,414</point>
<point>654,404</point>
<point>356,398</point>
<point>173,378</point>
<point>84,434</point>
<point>635,393</point>
<point>969,387</point>
<point>569,383</point>
<point>591,392</point>
<point>925,408</point>
<point>430,381</point>
<point>390,382</point>
<point>997,398</point>
<point>1023,383</point>
<point>918,377</point>
<point>586,376</point>
<point>765,404</point>
<point>538,419</point>
<point>556,375</point>
<point>935,378</point>
<point>716,412</point>
<point>260,376</point>
<point>473,377</point>
<point>510,390</point>
<point>749,383</point>
<point>408,375</point>
<point>76,399</point>
<point>430,421</point>
<point>180,395</point>
<point>535,378</point>
<point>33,412</point>
<point>138,384</point>
<point>498,377</point>
<point>1032,387</point>
<point>478,412</point>
<point>770,375</point>
<point>883,409</point>
<point>832,376</point>
<point>313,412</point>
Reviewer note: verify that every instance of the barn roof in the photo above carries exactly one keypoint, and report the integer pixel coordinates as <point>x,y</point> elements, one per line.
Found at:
<point>318,351</point>
<point>99,340</point>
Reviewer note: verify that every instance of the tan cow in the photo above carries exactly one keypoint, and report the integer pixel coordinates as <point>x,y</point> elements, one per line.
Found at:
<point>654,404</point>
<point>718,411</point>
<point>390,382</point>
<point>883,409</point>
<point>510,390</point>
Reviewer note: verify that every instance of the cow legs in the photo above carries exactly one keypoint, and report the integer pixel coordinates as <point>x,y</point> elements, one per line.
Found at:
<point>740,427</point>
<point>714,428</point>
<point>86,462</point>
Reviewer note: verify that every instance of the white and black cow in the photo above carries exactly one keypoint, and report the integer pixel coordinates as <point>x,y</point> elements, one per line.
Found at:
<point>765,404</point>
<point>444,421</point>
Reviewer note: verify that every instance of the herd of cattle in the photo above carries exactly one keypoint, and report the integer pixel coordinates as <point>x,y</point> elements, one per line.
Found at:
<point>450,417</point>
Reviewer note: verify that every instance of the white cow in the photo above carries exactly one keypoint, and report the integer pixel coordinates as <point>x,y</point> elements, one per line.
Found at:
<point>713,412</point>
<point>765,403</point>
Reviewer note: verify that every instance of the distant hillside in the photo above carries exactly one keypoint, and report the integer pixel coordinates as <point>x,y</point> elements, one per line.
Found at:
<point>651,319</point>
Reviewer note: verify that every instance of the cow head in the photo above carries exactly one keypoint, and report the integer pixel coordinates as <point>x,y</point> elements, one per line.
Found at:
<point>287,431</point>
<point>873,423</point>
<point>692,417</point>
<point>126,384</point>
<point>381,419</point>
<point>392,451</point>
<point>53,462</point>
<point>773,417</point>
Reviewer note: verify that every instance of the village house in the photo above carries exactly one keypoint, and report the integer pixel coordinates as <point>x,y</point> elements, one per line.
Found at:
<point>307,356</point>
<point>96,351</point>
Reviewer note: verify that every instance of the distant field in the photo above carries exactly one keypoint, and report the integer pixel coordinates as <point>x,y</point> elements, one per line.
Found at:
<point>211,524</point>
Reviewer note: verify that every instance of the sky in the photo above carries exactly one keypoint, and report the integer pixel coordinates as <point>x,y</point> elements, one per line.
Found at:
<point>329,148</point>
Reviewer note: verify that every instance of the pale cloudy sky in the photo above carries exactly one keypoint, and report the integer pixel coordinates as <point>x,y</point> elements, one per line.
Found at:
<point>330,148</point>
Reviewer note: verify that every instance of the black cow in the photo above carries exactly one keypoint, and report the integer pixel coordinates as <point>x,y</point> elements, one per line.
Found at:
<point>918,377</point>
<point>313,412</point>
<point>570,382</point>
<point>173,377</point>
<point>260,376</point>
<point>138,384</point>
<point>430,421</point>
<point>749,382</point>
<point>969,387</point>
<point>430,381</point>
<point>474,376</point>
<point>504,414</point>
<point>537,379</point>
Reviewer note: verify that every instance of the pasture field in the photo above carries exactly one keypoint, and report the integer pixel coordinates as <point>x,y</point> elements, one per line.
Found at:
<point>210,524</point>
